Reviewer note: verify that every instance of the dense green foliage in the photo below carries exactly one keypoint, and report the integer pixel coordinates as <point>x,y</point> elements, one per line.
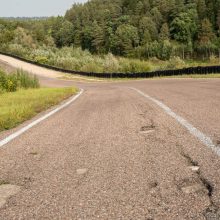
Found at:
<point>20,79</point>
<point>147,28</point>
<point>136,29</point>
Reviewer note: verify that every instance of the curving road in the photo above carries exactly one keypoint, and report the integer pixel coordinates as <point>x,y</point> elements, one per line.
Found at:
<point>116,154</point>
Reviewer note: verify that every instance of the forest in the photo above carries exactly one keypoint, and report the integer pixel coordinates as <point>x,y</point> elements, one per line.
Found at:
<point>120,35</point>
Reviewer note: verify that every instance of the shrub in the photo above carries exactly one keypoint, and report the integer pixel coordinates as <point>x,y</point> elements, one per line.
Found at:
<point>111,64</point>
<point>214,60</point>
<point>8,83</point>
<point>92,67</point>
<point>20,79</point>
<point>41,59</point>
<point>26,80</point>
<point>18,50</point>
<point>132,66</point>
<point>175,63</point>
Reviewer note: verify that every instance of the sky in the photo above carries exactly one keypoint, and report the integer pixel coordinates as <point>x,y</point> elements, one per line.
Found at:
<point>35,8</point>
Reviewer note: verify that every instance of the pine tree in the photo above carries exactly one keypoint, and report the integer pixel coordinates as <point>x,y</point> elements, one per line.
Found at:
<point>156,16</point>
<point>98,37</point>
<point>218,19</point>
<point>201,8</point>
<point>164,32</point>
<point>206,33</point>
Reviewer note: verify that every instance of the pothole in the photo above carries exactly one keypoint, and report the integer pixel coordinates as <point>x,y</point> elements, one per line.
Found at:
<point>202,185</point>
<point>33,153</point>
<point>193,185</point>
<point>208,185</point>
<point>153,184</point>
<point>191,162</point>
<point>212,213</point>
<point>147,129</point>
<point>193,188</point>
<point>6,191</point>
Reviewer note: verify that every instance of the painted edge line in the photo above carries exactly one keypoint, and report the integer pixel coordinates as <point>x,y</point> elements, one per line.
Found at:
<point>34,123</point>
<point>193,130</point>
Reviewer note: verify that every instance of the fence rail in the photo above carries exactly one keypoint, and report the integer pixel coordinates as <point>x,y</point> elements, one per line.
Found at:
<point>203,70</point>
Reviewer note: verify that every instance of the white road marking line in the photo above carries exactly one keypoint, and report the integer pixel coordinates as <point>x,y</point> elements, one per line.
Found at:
<point>24,129</point>
<point>194,131</point>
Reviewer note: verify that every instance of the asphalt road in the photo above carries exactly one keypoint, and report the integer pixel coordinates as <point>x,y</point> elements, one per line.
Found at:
<point>114,154</point>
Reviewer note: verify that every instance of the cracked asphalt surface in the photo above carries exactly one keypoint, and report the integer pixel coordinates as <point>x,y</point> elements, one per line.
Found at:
<point>113,154</point>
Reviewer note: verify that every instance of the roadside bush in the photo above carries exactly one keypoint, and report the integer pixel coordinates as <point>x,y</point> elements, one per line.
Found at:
<point>214,60</point>
<point>92,67</point>
<point>41,59</point>
<point>111,64</point>
<point>175,63</point>
<point>133,66</point>
<point>20,79</point>
<point>8,83</point>
<point>26,80</point>
<point>19,50</point>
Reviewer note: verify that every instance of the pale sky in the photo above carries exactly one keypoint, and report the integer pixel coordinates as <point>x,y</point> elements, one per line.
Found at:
<point>35,8</point>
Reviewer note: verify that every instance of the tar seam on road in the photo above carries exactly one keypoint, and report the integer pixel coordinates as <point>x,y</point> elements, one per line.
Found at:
<point>194,131</point>
<point>24,129</point>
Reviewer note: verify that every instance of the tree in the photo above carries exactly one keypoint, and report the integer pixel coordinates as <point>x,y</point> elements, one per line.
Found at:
<point>206,33</point>
<point>156,16</point>
<point>126,39</point>
<point>206,36</point>
<point>62,32</point>
<point>201,8</point>
<point>218,19</point>
<point>139,8</point>
<point>148,25</point>
<point>98,38</point>
<point>184,27</point>
<point>164,32</point>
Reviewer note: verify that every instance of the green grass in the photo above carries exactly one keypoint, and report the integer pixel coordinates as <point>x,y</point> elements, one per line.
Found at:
<point>20,79</point>
<point>17,107</point>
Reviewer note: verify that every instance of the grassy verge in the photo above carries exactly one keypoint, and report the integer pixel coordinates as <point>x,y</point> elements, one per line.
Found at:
<point>16,107</point>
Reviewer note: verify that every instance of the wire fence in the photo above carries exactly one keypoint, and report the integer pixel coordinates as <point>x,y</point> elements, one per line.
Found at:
<point>202,70</point>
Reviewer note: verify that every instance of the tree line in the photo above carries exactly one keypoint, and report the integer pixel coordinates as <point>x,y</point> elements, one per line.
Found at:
<point>146,28</point>
<point>131,28</point>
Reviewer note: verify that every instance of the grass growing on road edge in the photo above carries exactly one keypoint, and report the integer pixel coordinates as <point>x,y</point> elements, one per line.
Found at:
<point>17,107</point>
<point>19,79</point>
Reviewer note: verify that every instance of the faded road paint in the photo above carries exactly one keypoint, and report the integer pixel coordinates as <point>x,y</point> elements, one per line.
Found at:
<point>194,131</point>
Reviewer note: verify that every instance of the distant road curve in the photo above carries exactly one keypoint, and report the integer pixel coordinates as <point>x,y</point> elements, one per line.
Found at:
<point>40,71</point>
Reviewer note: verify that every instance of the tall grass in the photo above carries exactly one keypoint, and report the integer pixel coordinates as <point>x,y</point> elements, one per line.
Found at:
<point>16,107</point>
<point>19,79</point>
<point>82,60</point>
